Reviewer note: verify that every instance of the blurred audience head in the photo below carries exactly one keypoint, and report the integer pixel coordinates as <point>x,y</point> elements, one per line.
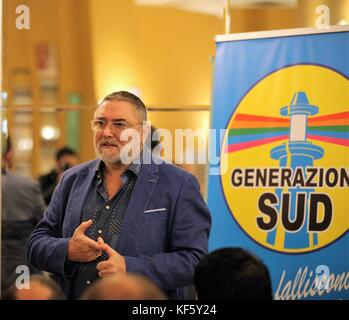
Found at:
<point>232,274</point>
<point>6,152</point>
<point>40,288</point>
<point>124,287</point>
<point>66,158</point>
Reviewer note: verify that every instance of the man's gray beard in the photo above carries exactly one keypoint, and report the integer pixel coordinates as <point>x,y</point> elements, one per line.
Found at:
<point>121,159</point>
<point>109,160</point>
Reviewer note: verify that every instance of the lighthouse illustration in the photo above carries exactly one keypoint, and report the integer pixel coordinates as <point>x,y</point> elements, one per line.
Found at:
<point>297,152</point>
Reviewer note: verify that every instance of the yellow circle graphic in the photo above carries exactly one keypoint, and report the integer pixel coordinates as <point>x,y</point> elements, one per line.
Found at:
<point>291,125</point>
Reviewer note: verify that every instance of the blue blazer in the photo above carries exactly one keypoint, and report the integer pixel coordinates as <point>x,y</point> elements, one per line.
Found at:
<point>164,233</point>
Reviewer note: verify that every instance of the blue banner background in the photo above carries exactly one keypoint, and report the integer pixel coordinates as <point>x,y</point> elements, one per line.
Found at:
<point>239,66</point>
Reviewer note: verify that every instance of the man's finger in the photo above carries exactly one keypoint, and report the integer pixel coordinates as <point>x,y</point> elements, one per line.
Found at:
<point>108,250</point>
<point>102,265</point>
<point>84,226</point>
<point>100,241</point>
<point>93,244</point>
<point>104,273</point>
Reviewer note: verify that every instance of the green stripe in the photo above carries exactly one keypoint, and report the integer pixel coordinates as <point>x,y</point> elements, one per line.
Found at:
<point>331,128</point>
<point>244,131</point>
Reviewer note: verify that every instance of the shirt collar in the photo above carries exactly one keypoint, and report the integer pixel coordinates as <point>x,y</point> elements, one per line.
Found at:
<point>136,164</point>
<point>134,167</point>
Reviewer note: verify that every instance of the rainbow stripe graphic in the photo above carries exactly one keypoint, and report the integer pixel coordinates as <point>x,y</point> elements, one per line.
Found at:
<point>249,131</point>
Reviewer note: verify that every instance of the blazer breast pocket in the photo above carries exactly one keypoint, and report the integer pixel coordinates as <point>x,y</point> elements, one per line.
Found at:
<point>156,214</point>
<point>152,233</point>
<point>156,211</point>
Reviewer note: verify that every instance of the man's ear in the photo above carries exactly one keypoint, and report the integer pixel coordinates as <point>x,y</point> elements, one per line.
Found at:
<point>146,129</point>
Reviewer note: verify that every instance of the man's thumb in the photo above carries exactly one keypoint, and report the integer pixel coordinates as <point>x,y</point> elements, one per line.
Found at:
<point>84,226</point>
<point>108,250</point>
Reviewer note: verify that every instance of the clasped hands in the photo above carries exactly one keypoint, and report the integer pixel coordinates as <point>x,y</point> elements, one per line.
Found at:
<point>81,248</point>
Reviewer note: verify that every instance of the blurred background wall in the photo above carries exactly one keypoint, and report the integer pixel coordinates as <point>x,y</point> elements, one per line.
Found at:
<point>75,52</point>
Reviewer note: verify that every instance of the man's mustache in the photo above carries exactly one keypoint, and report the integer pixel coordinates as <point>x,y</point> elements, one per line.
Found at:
<point>108,142</point>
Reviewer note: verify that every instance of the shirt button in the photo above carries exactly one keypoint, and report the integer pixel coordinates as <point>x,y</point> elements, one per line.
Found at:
<point>88,282</point>
<point>107,207</point>
<point>99,231</point>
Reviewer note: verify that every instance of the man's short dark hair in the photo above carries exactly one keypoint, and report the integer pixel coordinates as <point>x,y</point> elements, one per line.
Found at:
<point>232,274</point>
<point>128,97</point>
<point>64,152</point>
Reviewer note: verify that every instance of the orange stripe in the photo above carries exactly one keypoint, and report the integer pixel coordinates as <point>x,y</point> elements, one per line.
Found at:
<point>256,124</point>
<point>333,116</point>
<point>250,117</point>
<point>338,122</point>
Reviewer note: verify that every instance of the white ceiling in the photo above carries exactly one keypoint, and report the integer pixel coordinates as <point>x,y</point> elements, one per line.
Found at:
<point>212,7</point>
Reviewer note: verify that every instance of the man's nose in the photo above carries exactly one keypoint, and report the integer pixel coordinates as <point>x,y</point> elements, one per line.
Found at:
<point>107,132</point>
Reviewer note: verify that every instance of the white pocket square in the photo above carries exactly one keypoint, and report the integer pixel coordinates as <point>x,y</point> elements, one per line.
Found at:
<point>155,210</point>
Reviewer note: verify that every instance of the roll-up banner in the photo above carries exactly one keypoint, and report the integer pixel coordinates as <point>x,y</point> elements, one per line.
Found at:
<point>282,185</point>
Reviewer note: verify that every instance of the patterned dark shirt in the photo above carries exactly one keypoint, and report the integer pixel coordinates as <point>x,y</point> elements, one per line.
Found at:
<point>107,217</point>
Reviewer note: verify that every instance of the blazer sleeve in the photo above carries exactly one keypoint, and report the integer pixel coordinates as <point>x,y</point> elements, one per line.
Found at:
<point>188,242</point>
<point>39,205</point>
<point>45,248</point>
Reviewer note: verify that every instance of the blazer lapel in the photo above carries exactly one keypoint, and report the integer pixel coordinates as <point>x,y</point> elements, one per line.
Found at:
<point>79,194</point>
<point>141,195</point>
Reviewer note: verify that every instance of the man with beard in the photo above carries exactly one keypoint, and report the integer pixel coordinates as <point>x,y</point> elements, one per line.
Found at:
<point>120,214</point>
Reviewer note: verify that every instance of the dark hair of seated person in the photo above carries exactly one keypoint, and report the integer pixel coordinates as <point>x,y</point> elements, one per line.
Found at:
<point>232,274</point>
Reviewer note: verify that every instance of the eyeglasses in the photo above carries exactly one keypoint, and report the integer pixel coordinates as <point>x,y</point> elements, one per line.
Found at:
<point>114,126</point>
